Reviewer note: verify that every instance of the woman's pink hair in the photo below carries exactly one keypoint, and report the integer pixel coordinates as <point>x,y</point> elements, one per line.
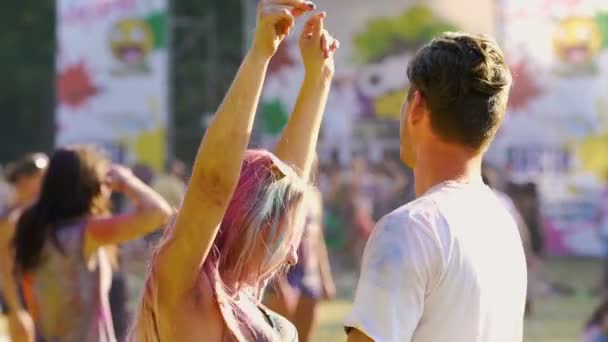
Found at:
<point>258,216</point>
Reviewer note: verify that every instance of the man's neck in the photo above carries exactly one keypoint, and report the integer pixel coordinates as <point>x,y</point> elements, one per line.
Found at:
<point>438,164</point>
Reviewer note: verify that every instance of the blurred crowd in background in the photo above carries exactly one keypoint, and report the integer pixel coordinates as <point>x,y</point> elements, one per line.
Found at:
<point>355,197</point>
<point>548,162</point>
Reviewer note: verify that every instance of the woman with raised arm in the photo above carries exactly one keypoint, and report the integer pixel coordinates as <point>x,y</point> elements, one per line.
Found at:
<point>239,223</point>
<point>60,242</point>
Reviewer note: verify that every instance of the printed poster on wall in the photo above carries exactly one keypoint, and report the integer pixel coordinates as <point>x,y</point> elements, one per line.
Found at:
<point>111,77</point>
<point>556,129</point>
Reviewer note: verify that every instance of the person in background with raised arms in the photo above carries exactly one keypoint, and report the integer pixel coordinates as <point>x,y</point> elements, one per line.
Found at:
<point>25,177</point>
<point>241,219</point>
<point>450,265</point>
<point>61,242</point>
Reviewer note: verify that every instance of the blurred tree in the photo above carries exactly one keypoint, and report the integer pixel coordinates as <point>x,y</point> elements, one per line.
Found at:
<point>207,50</point>
<point>26,89</point>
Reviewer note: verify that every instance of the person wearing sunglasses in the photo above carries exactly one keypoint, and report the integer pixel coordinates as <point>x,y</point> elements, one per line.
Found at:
<point>241,219</point>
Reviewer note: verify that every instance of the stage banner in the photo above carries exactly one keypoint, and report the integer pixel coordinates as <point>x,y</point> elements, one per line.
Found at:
<point>556,129</point>
<point>112,77</point>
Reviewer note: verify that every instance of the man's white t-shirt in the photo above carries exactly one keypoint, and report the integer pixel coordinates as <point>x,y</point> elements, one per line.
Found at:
<point>448,266</point>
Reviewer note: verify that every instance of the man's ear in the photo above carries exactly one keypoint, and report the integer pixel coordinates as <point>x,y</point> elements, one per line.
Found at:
<point>416,108</point>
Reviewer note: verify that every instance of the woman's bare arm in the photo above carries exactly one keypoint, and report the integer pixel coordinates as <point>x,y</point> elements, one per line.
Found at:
<point>218,162</point>
<point>7,279</point>
<point>298,143</point>
<point>150,212</point>
<point>20,324</point>
<point>7,261</point>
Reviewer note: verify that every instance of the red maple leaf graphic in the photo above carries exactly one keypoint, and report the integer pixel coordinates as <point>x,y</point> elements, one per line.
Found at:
<point>74,86</point>
<point>524,86</point>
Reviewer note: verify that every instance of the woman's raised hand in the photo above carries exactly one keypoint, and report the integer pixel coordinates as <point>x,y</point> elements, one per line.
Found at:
<point>275,19</point>
<point>317,47</point>
<point>119,177</point>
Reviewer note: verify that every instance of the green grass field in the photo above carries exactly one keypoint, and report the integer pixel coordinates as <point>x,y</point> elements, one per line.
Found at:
<point>555,318</point>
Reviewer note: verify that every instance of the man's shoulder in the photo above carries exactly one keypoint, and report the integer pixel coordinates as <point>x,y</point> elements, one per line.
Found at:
<point>420,210</point>
<point>421,216</point>
<point>408,240</point>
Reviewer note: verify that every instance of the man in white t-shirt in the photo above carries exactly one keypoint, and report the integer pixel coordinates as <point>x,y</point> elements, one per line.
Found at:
<point>450,265</point>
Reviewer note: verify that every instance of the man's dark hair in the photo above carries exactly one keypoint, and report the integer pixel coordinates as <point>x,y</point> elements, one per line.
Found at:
<point>465,82</point>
